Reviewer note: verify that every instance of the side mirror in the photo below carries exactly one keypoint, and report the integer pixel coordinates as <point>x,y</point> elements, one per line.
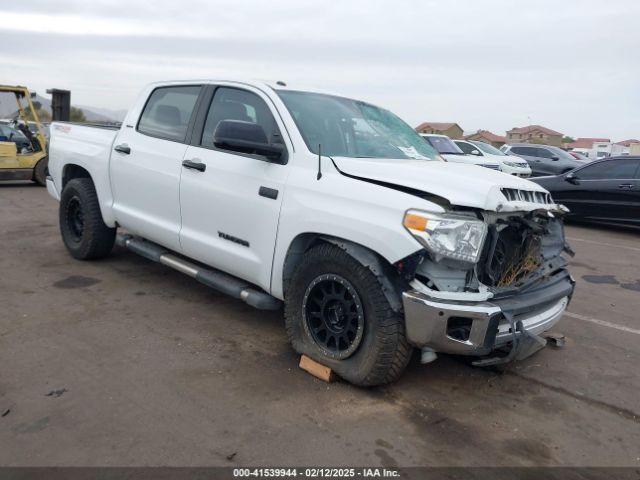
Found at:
<point>246,137</point>
<point>555,158</point>
<point>476,153</point>
<point>571,178</point>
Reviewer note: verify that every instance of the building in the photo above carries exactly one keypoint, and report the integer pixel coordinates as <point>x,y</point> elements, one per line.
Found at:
<point>487,137</point>
<point>634,149</point>
<point>535,134</point>
<point>451,130</point>
<point>585,143</point>
<point>628,143</point>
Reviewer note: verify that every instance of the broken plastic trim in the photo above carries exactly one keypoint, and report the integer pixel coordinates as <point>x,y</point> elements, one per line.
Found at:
<point>523,345</point>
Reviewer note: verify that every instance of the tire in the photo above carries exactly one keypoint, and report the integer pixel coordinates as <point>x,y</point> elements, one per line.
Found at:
<point>83,232</point>
<point>378,352</point>
<point>40,171</point>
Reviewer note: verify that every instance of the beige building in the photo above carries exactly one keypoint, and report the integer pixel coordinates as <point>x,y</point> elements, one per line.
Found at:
<point>451,130</point>
<point>634,149</point>
<point>534,134</point>
<point>487,137</point>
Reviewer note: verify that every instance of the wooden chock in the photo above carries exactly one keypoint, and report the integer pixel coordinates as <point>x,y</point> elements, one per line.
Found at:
<point>316,369</point>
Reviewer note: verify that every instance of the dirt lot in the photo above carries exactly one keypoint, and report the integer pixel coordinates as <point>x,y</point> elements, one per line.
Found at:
<point>125,362</point>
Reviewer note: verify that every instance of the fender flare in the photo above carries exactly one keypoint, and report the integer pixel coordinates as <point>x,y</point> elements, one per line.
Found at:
<point>369,259</point>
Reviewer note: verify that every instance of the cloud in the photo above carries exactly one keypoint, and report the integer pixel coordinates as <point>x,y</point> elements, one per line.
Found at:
<point>490,64</point>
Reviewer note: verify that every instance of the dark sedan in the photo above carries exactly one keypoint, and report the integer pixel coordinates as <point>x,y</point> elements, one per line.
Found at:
<point>604,191</point>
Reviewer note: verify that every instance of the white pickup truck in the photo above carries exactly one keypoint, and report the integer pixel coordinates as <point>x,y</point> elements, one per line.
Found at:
<point>331,206</point>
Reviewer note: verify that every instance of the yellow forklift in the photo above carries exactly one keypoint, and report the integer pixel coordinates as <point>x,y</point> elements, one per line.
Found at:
<point>23,153</point>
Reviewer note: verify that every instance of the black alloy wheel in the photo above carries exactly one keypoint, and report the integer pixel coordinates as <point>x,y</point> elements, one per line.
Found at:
<point>75,218</point>
<point>334,316</point>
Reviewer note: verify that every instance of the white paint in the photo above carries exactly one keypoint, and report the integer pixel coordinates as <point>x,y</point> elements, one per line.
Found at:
<point>602,323</point>
<point>149,193</point>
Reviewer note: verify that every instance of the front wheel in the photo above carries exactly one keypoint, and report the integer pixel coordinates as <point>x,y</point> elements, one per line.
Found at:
<point>337,314</point>
<point>84,233</point>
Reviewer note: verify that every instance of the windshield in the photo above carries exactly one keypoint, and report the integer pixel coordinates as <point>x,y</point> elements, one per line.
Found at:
<point>350,128</point>
<point>444,145</point>
<point>490,149</point>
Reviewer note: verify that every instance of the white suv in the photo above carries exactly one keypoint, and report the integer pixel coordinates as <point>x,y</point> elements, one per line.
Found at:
<point>452,153</point>
<point>508,163</point>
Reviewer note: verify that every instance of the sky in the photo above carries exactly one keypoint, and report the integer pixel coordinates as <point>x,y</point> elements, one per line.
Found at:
<point>570,65</point>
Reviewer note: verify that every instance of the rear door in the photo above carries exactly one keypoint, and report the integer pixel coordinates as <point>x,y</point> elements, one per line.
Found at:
<point>231,206</point>
<point>146,165</point>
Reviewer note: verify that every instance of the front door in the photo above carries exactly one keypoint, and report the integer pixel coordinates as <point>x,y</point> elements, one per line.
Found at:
<point>230,201</point>
<point>611,190</point>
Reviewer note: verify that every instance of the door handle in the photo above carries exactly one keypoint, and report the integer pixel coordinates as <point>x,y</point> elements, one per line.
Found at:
<point>194,164</point>
<point>626,185</point>
<point>267,192</point>
<point>123,148</point>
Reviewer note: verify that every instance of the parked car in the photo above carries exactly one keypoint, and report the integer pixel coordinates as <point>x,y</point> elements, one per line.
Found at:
<point>333,207</point>
<point>452,153</point>
<point>543,159</point>
<point>508,163</point>
<point>605,191</point>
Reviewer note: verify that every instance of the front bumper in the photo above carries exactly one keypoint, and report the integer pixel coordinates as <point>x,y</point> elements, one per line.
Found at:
<point>517,171</point>
<point>485,326</point>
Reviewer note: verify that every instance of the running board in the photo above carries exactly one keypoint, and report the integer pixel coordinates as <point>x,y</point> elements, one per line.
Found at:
<point>223,282</point>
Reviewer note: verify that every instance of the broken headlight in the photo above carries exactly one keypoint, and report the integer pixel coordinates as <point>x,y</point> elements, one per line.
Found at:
<point>447,235</point>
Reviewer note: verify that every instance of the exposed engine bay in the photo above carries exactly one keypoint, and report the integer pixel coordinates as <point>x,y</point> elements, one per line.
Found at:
<point>519,249</point>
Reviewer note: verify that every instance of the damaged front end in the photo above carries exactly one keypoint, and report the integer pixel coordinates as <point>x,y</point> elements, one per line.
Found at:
<point>498,305</point>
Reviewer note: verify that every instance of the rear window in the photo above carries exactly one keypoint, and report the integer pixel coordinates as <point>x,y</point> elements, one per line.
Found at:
<point>167,112</point>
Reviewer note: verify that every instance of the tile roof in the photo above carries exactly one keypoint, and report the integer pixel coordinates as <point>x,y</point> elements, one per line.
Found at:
<point>436,125</point>
<point>585,142</point>
<point>628,143</point>
<point>492,137</point>
<point>534,128</point>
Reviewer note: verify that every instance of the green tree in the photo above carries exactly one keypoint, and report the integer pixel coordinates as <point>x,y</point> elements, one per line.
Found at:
<point>77,115</point>
<point>567,139</point>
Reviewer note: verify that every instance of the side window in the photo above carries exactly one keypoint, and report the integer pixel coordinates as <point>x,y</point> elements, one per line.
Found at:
<point>237,104</point>
<point>544,153</point>
<point>614,169</point>
<point>525,151</point>
<point>467,147</point>
<point>167,112</point>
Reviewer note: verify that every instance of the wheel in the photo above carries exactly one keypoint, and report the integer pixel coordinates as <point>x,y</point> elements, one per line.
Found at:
<point>337,314</point>
<point>83,232</point>
<point>40,171</point>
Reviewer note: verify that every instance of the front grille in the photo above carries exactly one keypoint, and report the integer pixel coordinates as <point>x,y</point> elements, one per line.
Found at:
<point>517,195</point>
<point>492,167</point>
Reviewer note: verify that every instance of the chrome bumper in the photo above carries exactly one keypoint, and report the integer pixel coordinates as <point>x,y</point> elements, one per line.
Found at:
<point>436,323</point>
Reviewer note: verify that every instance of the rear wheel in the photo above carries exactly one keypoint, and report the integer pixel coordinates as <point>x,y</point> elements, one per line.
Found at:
<point>337,314</point>
<point>83,231</point>
<point>40,171</point>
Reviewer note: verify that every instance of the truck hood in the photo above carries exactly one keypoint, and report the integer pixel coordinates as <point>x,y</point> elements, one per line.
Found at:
<point>462,185</point>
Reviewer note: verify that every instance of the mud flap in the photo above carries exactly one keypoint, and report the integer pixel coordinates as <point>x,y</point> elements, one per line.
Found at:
<point>523,345</point>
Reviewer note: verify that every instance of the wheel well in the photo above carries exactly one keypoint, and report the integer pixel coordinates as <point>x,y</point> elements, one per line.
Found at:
<point>386,272</point>
<point>72,171</point>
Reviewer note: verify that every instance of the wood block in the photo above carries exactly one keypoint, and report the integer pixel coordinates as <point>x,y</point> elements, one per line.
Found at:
<point>316,369</point>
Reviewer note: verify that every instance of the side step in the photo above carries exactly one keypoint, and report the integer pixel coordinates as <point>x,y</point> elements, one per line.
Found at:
<point>223,282</point>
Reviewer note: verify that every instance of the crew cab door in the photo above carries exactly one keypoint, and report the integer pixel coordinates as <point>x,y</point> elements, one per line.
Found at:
<point>230,201</point>
<point>146,163</point>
